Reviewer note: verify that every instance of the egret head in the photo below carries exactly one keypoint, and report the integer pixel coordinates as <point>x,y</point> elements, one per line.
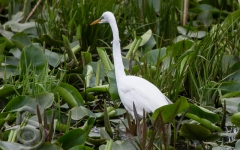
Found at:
<point>105,18</point>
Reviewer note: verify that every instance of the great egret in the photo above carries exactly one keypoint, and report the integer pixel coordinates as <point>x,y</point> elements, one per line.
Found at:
<point>132,88</point>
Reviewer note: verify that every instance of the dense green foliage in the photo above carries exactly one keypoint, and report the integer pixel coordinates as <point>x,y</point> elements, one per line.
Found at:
<point>57,81</point>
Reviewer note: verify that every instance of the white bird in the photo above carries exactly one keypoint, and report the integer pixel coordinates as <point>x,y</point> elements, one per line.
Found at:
<point>131,89</point>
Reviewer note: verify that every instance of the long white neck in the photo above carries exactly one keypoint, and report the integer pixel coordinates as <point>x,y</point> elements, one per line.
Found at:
<point>117,57</point>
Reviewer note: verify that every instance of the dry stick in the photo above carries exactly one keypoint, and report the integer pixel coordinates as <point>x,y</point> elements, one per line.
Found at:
<point>34,9</point>
<point>185,12</point>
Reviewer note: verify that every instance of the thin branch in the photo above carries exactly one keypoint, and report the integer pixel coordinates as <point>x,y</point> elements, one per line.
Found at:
<point>33,10</point>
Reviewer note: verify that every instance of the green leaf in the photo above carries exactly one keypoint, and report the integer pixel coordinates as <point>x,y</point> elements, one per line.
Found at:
<point>88,97</point>
<point>9,44</point>
<point>194,34</point>
<point>33,59</point>
<point>134,46</point>
<point>81,147</point>
<point>204,116</point>
<point>237,145</point>
<point>11,60</point>
<point>218,148</point>
<point>113,85</point>
<point>88,76</point>
<point>235,119</point>
<point>107,64</point>
<point>4,33</point>
<point>2,122</point>
<point>2,45</point>
<point>98,73</point>
<point>149,45</point>
<point>231,94</point>
<point>203,113</point>
<point>104,134</point>
<point>70,53</point>
<point>20,27</point>
<point>125,145</point>
<point>9,145</point>
<point>86,58</point>
<point>7,91</point>
<point>21,40</point>
<point>230,86</point>
<point>50,41</point>
<point>205,18</point>
<point>232,104</point>
<point>145,38</point>
<point>231,19</point>
<point>80,112</point>
<point>15,18</point>
<point>73,138</point>
<point>107,124</point>
<point>88,125</point>
<point>67,97</point>
<point>16,52</point>
<point>228,61</point>
<point>206,123</point>
<point>103,88</point>
<point>196,132</point>
<point>74,92</point>
<point>179,106</point>
<point>43,100</point>
<point>53,58</point>
<point>49,146</point>
<point>152,56</point>
<point>182,46</point>
<point>8,71</point>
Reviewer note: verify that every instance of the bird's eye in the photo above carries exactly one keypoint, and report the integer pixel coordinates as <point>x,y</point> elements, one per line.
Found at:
<point>102,18</point>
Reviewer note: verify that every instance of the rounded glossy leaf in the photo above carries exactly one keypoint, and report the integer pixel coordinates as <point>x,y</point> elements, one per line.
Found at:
<point>87,97</point>
<point>194,34</point>
<point>32,58</point>
<point>73,138</point>
<point>9,145</point>
<point>11,60</point>
<point>179,106</point>
<point>237,145</point>
<point>153,56</point>
<point>67,97</point>
<point>21,40</point>
<point>81,147</point>
<point>203,113</point>
<point>125,145</point>
<point>80,112</point>
<point>16,52</point>
<point>75,93</point>
<point>8,71</point>
<point>113,85</point>
<point>2,45</point>
<point>145,38</point>
<point>6,91</point>
<point>235,119</point>
<point>232,104</point>
<point>194,132</point>
<point>43,100</point>
<point>206,123</point>
<point>49,146</point>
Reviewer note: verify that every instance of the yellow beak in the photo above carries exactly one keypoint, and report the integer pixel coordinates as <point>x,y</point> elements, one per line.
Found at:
<point>95,22</point>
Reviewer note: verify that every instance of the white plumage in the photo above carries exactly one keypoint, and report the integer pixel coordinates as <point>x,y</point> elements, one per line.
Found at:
<point>132,88</point>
